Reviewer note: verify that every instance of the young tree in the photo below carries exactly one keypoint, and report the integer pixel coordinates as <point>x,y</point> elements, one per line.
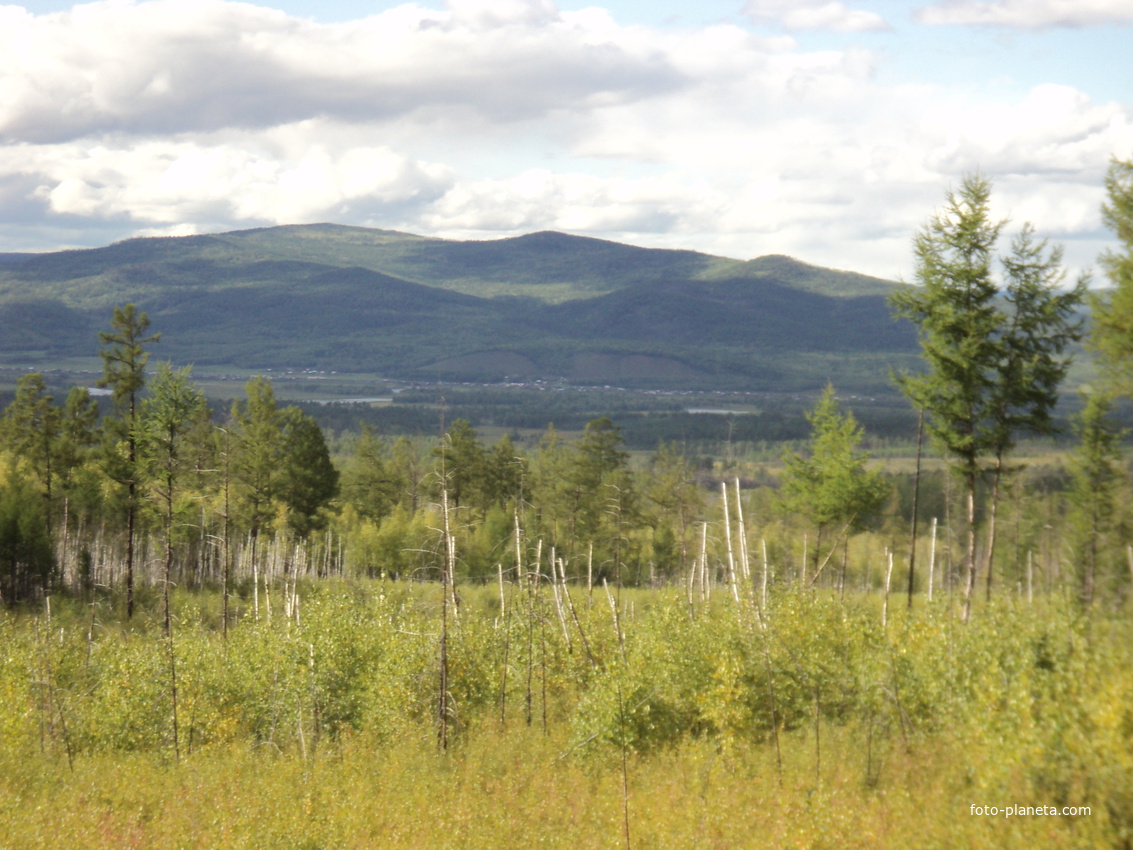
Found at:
<point>675,497</point>
<point>1112,309</point>
<point>504,474</point>
<point>1095,471</point>
<point>369,483</point>
<point>124,361</point>
<point>1039,325</point>
<point>465,463</point>
<point>831,486</point>
<point>77,432</point>
<point>256,463</point>
<point>992,371</point>
<point>599,458</point>
<point>173,407</point>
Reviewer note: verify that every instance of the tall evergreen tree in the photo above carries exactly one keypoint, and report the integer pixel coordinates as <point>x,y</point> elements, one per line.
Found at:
<point>124,359</point>
<point>991,371</point>
<point>1112,335</point>
<point>32,428</point>
<point>465,463</point>
<point>309,480</point>
<point>670,488</point>
<point>27,564</point>
<point>1095,470</point>
<point>257,454</point>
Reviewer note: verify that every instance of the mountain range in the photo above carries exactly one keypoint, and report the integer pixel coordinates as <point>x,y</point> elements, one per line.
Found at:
<point>542,306</point>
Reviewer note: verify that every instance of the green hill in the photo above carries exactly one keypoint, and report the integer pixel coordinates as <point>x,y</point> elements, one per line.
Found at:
<point>544,305</point>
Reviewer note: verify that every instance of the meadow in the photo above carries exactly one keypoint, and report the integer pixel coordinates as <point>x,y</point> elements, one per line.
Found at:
<point>569,716</point>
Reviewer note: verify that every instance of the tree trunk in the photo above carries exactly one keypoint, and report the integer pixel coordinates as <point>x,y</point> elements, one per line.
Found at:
<point>991,527</point>
<point>916,497</point>
<point>970,580</point>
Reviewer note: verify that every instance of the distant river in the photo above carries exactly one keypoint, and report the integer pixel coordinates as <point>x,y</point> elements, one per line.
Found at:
<point>351,400</point>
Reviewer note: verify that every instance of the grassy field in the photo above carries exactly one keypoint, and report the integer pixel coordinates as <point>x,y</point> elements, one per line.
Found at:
<point>573,720</point>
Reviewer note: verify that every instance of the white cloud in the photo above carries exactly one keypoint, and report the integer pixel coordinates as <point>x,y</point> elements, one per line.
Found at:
<point>1028,14</point>
<point>814,15</point>
<point>281,177</point>
<point>494,118</point>
<point>184,65</point>
<point>1053,130</point>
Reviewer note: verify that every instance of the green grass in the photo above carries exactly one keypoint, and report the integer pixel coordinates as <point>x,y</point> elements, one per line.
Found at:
<point>321,733</point>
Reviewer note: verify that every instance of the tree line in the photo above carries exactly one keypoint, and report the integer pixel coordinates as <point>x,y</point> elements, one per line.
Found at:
<point>163,485</point>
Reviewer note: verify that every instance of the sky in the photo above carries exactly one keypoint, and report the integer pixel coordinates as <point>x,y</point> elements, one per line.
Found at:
<point>828,130</point>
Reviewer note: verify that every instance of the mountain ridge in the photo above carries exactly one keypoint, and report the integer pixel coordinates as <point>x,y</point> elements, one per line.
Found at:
<point>546,304</point>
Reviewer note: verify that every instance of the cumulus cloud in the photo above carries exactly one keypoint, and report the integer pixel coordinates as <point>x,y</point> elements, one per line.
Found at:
<point>814,15</point>
<point>495,117</point>
<point>285,176</point>
<point>182,65</point>
<point>1027,14</point>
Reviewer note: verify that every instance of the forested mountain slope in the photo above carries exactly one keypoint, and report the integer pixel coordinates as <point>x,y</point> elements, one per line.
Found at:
<point>544,305</point>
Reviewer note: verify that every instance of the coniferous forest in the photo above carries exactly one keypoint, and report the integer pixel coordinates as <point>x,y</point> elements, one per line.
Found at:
<point>226,626</point>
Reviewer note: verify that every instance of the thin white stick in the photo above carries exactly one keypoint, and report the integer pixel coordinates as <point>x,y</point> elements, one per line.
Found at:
<point>885,604</point>
<point>932,559</point>
<point>763,590</point>
<point>500,572</point>
<point>728,535</point>
<point>744,563</point>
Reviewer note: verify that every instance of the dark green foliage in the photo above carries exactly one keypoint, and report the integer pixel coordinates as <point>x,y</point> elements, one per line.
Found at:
<point>1096,474</point>
<point>369,483</point>
<point>308,479</point>
<point>1113,308</point>
<point>32,429</point>
<point>26,561</point>
<point>124,356</point>
<point>955,307</point>
<point>280,461</point>
<point>315,297</point>
<point>993,366</point>
<point>464,463</point>
<point>257,453</point>
<point>124,359</point>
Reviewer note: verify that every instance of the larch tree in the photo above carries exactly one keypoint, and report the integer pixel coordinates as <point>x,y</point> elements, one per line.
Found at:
<point>167,415</point>
<point>1095,474</point>
<point>31,428</point>
<point>257,433</point>
<point>994,355</point>
<point>1112,309</point>
<point>831,484</point>
<point>124,359</point>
